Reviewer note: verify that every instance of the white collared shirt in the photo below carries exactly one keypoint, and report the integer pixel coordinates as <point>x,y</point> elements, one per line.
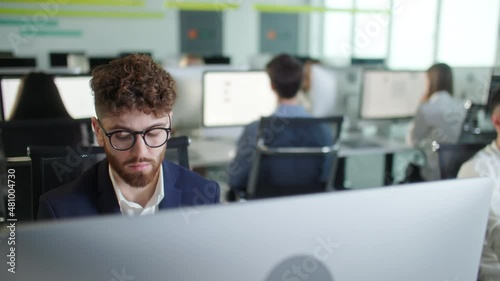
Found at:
<point>486,163</point>
<point>129,208</point>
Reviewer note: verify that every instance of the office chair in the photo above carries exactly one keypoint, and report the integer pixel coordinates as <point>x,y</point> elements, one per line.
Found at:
<point>18,135</point>
<point>53,166</point>
<point>298,156</point>
<point>452,156</point>
<point>471,131</point>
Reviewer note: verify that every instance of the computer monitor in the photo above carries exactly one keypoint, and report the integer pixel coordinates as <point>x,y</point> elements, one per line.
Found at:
<point>331,89</point>
<point>75,92</point>
<point>494,85</point>
<point>216,60</point>
<point>9,62</point>
<point>187,108</point>
<point>427,231</point>
<point>368,62</point>
<point>391,94</point>
<point>96,61</point>
<point>236,98</point>
<point>472,83</point>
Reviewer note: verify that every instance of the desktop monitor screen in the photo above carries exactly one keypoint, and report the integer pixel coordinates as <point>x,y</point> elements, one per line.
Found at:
<point>75,93</point>
<point>189,80</point>
<point>427,231</point>
<point>236,98</point>
<point>391,94</point>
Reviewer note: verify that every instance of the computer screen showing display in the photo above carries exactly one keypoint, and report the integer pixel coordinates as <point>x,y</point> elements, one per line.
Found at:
<point>74,90</point>
<point>391,94</point>
<point>236,98</point>
<point>188,105</point>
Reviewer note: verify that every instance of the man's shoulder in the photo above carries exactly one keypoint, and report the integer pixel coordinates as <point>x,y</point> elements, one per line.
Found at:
<point>191,184</point>
<point>185,177</point>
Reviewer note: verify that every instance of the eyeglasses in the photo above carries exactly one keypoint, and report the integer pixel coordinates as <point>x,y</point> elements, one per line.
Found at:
<point>124,139</point>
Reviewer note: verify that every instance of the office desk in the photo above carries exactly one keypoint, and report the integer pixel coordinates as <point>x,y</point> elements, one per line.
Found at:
<point>212,152</point>
<point>216,152</point>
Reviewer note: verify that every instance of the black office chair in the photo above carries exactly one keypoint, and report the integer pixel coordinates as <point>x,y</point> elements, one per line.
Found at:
<point>452,156</point>
<point>53,166</point>
<point>471,132</point>
<point>18,135</point>
<point>293,158</point>
<point>177,151</point>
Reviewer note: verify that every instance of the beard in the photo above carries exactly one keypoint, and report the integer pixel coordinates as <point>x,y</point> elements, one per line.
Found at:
<point>137,179</point>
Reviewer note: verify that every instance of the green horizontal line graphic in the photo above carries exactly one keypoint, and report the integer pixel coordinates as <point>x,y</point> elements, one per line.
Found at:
<point>53,33</point>
<point>84,14</point>
<point>201,6</point>
<point>310,9</point>
<point>16,21</point>
<point>126,3</point>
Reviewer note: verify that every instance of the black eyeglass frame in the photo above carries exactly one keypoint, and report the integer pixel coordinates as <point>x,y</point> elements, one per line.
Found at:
<point>142,133</point>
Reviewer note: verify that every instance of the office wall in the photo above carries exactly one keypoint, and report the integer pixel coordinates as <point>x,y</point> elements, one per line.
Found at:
<point>109,36</point>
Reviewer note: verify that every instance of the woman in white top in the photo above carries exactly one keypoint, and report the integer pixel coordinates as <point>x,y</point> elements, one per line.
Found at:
<point>438,119</point>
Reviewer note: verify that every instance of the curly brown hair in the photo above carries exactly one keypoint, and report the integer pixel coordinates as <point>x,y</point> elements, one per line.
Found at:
<point>133,82</point>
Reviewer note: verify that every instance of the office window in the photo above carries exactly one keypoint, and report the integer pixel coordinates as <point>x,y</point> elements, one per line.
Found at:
<point>413,34</point>
<point>468,32</point>
<point>337,30</point>
<point>371,35</point>
<point>337,33</point>
<point>362,35</point>
<point>373,4</point>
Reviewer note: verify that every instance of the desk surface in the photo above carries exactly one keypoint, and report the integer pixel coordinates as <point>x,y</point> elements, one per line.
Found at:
<point>205,152</point>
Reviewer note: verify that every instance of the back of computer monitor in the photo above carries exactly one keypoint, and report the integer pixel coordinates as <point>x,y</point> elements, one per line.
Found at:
<point>472,83</point>
<point>431,231</point>
<point>187,110</point>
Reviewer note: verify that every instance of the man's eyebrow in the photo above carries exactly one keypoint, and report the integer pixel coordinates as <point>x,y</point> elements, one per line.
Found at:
<point>123,127</point>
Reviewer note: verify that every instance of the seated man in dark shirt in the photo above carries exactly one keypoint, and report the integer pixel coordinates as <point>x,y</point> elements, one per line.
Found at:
<point>133,102</point>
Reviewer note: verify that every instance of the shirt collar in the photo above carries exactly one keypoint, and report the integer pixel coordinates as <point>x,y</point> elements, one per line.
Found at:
<point>153,202</point>
<point>290,110</point>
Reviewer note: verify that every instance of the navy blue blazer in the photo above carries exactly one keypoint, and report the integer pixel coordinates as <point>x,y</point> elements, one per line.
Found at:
<point>93,193</point>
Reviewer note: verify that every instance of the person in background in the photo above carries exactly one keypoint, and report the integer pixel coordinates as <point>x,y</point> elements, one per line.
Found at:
<point>38,98</point>
<point>286,77</point>
<point>438,119</point>
<point>303,96</point>
<point>486,163</point>
<point>134,97</point>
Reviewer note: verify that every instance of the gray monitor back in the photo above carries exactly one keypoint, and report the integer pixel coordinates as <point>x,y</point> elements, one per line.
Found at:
<point>187,113</point>
<point>428,231</point>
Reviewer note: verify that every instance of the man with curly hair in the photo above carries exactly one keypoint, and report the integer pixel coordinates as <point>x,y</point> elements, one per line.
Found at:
<point>134,97</point>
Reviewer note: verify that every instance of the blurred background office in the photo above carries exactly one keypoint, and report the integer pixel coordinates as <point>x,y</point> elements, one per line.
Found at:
<point>363,59</point>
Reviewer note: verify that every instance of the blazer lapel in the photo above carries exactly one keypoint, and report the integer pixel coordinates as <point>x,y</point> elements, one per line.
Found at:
<point>106,201</point>
<point>173,195</point>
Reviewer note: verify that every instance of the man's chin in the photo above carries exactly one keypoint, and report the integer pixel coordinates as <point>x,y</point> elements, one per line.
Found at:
<point>138,180</point>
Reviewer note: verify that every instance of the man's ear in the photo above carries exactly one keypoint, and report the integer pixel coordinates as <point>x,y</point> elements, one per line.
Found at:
<point>98,132</point>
